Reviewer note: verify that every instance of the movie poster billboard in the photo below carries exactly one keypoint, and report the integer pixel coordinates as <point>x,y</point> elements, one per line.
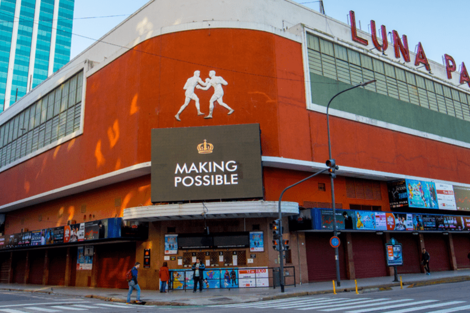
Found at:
<point>418,222</point>
<point>380,221</point>
<point>452,223</point>
<point>403,221</point>
<point>85,258</point>
<point>394,254</point>
<point>445,197</point>
<point>462,198</point>
<point>229,278</point>
<point>211,279</point>
<point>466,222</point>
<point>327,219</point>
<point>429,222</point>
<point>171,244</point>
<point>95,230</point>
<point>365,220</point>
<point>421,194</point>
<point>256,241</point>
<point>38,237</point>
<point>397,194</point>
<point>77,232</point>
<point>25,239</point>
<point>2,242</point>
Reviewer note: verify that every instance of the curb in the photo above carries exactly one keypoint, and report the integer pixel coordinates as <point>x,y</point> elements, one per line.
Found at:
<point>363,289</point>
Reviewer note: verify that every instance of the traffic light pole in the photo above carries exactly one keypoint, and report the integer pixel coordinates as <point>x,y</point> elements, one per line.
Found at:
<point>338,276</point>
<point>281,243</point>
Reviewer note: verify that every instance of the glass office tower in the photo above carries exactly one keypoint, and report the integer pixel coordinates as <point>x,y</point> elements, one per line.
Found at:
<point>35,40</point>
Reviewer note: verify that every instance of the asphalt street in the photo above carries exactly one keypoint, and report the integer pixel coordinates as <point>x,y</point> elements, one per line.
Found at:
<point>441,298</point>
<point>438,299</point>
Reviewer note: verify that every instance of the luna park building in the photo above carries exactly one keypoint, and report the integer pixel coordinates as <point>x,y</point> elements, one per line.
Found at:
<point>172,137</point>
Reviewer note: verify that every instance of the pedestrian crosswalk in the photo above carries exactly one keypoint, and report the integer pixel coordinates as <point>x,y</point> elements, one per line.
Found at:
<point>55,307</point>
<point>356,305</point>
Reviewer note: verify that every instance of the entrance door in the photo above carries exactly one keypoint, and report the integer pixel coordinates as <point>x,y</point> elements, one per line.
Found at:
<point>36,266</point>
<point>321,257</point>
<point>369,255</point>
<point>461,250</point>
<point>57,264</point>
<point>19,267</point>
<point>113,263</point>
<point>411,254</point>
<point>437,246</point>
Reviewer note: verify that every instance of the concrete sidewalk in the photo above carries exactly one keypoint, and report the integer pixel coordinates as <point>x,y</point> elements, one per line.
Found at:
<point>224,296</point>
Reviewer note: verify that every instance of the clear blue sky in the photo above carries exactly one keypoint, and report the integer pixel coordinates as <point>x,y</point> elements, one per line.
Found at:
<point>439,25</point>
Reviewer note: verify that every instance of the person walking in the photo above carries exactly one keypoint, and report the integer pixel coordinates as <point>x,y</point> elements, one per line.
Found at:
<point>164,276</point>
<point>198,270</point>
<point>133,284</point>
<point>425,257</point>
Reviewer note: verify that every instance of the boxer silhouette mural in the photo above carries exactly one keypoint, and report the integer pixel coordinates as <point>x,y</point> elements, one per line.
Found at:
<point>195,82</point>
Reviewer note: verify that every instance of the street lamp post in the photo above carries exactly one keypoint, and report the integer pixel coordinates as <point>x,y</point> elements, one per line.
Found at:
<point>338,277</point>
<point>281,244</point>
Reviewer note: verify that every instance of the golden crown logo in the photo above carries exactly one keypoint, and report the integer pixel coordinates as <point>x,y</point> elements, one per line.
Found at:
<point>205,148</point>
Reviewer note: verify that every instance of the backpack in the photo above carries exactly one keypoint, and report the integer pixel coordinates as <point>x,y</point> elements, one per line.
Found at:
<point>129,275</point>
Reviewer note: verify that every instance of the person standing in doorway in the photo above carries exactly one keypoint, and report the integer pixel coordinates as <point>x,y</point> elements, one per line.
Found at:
<point>164,276</point>
<point>425,257</point>
<point>198,270</point>
<point>133,284</point>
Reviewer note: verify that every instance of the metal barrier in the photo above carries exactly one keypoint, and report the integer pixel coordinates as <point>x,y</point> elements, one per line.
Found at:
<point>232,278</point>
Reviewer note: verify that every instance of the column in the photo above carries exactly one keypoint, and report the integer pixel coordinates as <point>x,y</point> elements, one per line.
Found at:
<point>27,267</point>
<point>94,271</point>
<point>45,277</point>
<point>453,260</point>
<point>10,270</point>
<point>350,269</point>
<point>421,246</point>
<point>390,270</point>
<point>68,268</point>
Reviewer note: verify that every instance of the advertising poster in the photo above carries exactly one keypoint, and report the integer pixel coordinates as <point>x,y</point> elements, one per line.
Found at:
<point>171,244</point>
<point>449,223</point>
<point>84,258</point>
<point>462,198</point>
<point>256,241</point>
<point>418,222</point>
<point>380,221</point>
<point>178,279</point>
<point>365,220</point>
<point>253,277</point>
<point>403,221</point>
<point>229,278</point>
<point>394,255</point>
<point>429,222</point>
<point>327,219</point>
<point>38,237</point>
<point>397,194</point>
<point>466,222</point>
<point>445,197</point>
<point>66,233</point>
<point>95,230</point>
<point>25,239</point>
<point>58,234</point>
<point>2,242</point>
<point>211,279</point>
<point>421,194</point>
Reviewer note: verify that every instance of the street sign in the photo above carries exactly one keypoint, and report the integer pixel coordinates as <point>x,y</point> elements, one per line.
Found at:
<point>335,242</point>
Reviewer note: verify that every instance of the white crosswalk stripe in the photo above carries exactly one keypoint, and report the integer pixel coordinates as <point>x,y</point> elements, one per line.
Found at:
<point>427,307</point>
<point>68,307</point>
<point>86,306</point>
<point>392,306</point>
<point>121,306</point>
<point>341,306</point>
<point>36,309</point>
<point>465,308</point>
<point>11,311</point>
<point>354,305</point>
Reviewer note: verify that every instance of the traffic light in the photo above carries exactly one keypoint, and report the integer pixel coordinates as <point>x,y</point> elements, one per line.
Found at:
<point>331,163</point>
<point>276,227</point>
<point>286,245</point>
<point>276,244</point>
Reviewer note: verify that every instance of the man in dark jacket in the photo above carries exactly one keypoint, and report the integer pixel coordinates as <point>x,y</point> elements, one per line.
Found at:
<point>348,223</point>
<point>425,257</point>
<point>198,271</point>
<point>133,284</point>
